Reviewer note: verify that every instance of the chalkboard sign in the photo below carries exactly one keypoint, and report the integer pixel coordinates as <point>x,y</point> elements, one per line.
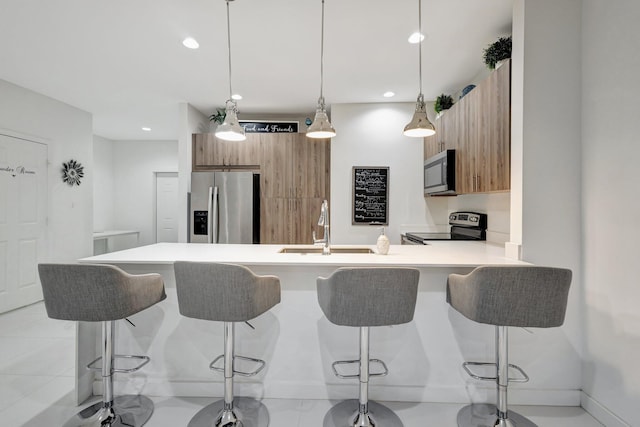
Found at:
<point>370,195</point>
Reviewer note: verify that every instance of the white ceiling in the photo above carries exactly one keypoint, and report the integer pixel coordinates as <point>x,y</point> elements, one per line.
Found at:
<point>123,60</point>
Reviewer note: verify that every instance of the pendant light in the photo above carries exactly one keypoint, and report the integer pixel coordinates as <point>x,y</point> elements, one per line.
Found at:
<point>230,129</point>
<point>321,127</point>
<point>420,126</point>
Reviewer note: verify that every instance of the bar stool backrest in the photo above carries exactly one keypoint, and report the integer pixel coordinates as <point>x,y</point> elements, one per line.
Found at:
<point>223,292</point>
<point>364,297</point>
<point>97,292</point>
<point>524,296</point>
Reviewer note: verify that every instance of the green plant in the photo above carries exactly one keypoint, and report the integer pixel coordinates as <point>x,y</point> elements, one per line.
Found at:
<point>443,102</point>
<point>497,51</point>
<point>219,116</point>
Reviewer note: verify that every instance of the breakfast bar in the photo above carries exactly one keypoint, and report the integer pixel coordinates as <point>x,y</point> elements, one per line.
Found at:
<point>299,344</point>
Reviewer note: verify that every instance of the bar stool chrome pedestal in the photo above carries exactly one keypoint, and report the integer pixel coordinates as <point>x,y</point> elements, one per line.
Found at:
<point>103,293</point>
<point>524,296</point>
<point>366,297</point>
<point>227,293</point>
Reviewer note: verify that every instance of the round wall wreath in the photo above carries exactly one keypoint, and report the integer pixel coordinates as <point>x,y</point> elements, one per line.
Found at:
<point>72,172</point>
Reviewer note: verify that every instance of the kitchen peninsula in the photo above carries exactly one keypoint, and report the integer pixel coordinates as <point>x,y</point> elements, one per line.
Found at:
<point>299,344</point>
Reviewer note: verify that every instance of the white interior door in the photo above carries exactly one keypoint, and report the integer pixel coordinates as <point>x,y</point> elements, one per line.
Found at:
<point>167,207</point>
<point>23,217</point>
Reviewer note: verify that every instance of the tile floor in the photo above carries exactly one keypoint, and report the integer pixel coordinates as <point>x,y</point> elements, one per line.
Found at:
<point>36,386</point>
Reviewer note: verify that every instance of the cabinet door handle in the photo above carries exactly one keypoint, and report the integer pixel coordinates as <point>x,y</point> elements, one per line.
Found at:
<point>478,183</point>
<point>474,182</point>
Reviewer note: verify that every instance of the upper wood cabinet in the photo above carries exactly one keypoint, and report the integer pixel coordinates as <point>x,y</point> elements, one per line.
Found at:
<point>209,151</point>
<point>436,143</point>
<point>478,127</point>
<point>295,166</point>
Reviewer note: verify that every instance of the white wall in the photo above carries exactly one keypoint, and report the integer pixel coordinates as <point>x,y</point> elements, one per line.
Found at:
<point>67,131</point>
<point>546,171</point>
<point>495,205</point>
<point>190,121</point>
<point>134,165</point>
<point>371,135</point>
<point>611,199</point>
<point>103,185</point>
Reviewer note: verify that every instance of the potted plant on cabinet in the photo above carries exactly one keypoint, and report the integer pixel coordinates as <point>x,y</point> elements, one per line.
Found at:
<point>497,52</point>
<point>443,102</point>
<point>217,118</point>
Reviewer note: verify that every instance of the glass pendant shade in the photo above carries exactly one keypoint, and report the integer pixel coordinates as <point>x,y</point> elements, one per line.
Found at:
<point>419,126</point>
<point>230,129</point>
<point>321,127</point>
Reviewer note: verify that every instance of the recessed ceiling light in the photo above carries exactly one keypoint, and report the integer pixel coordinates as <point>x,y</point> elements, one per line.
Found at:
<point>388,94</point>
<point>146,129</point>
<point>191,43</point>
<point>236,96</point>
<point>416,38</point>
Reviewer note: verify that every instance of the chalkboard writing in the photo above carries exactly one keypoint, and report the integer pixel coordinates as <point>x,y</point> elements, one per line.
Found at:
<point>370,195</point>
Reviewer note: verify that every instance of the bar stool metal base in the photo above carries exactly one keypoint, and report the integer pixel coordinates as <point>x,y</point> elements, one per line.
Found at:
<point>344,414</point>
<point>484,415</point>
<point>127,411</point>
<point>250,413</point>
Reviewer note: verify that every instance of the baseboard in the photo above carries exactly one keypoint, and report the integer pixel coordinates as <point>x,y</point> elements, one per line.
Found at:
<point>600,412</point>
<point>322,390</point>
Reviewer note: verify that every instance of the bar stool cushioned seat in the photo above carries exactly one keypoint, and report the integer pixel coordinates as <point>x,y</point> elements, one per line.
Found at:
<point>523,296</point>
<point>103,293</point>
<point>365,297</point>
<point>226,293</point>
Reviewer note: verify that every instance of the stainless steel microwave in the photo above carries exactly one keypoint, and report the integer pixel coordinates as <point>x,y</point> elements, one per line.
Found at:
<point>440,173</point>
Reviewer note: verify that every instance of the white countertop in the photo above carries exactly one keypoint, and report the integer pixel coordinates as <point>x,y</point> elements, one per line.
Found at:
<point>111,233</point>
<point>436,254</point>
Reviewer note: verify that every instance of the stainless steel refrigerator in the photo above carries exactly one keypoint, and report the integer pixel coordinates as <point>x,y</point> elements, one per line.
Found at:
<point>224,207</point>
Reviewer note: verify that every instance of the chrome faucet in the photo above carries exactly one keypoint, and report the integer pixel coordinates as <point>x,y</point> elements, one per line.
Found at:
<point>324,221</point>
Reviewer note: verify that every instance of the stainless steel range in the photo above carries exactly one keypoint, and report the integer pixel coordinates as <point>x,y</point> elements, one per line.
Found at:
<point>464,226</point>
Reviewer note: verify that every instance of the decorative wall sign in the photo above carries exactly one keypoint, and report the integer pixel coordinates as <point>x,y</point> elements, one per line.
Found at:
<point>370,195</point>
<point>269,127</point>
<point>72,172</point>
<point>17,170</point>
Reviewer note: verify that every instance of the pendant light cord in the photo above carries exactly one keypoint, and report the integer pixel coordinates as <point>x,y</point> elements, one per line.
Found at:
<point>322,55</point>
<point>419,43</point>
<point>229,47</point>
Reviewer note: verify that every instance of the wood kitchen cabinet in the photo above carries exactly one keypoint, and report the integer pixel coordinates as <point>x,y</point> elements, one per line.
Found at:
<point>289,220</point>
<point>478,127</point>
<point>294,178</point>
<point>295,166</point>
<point>436,143</point>
<point>211,152</point>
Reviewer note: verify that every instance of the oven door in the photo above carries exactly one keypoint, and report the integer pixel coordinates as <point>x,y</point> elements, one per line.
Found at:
<point>439,173</point>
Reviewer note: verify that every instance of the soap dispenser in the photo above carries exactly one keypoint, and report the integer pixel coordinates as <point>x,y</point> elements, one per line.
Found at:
<point>383,243</point>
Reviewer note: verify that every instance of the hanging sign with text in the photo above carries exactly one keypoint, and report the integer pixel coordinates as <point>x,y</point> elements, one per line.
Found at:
<point>269,127</point>
<point>370,195</point>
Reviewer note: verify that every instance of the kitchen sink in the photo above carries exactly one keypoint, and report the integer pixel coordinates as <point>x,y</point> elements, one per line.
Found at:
<point>318,250</point>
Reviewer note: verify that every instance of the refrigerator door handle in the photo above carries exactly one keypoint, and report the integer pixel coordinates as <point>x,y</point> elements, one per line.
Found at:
<point>209,214</point>
<point>214,224</point>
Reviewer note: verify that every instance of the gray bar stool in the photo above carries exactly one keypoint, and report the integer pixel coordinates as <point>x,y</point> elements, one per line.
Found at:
<point>227,293</point>
<point>103,293</point>
<point>528,297</point>
<point>365,297</point>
